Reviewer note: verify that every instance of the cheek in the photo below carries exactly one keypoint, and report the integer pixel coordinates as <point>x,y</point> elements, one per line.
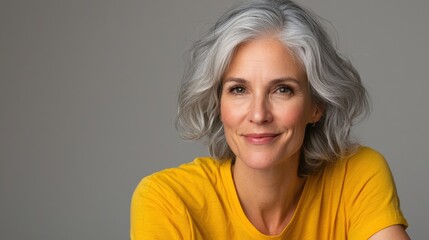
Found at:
<point>231,117</point>
<point>230,124</point>
<point>229,114</point>
<point>294,115</point>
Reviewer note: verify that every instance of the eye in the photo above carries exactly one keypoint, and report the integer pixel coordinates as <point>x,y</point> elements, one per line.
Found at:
<point>237,90</point>
<point>284,90</point>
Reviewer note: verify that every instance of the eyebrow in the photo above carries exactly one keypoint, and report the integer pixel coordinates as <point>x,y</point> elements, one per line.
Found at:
<point>274,81</point>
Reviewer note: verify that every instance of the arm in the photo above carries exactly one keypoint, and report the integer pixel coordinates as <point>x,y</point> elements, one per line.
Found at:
<point>395,232</point>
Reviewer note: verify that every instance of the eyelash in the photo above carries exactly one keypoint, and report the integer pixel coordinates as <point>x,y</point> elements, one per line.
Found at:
<point>282,89</point>
<point>234,89</point>
<point>288,90</point>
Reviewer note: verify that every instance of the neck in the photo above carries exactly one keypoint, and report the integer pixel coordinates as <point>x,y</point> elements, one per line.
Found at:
<point>269,196</point>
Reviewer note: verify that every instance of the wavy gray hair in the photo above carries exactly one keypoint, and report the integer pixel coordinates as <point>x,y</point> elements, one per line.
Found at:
<point>334,83</point>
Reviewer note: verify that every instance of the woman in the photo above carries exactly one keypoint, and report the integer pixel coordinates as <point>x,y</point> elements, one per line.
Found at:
<point>275,103</point>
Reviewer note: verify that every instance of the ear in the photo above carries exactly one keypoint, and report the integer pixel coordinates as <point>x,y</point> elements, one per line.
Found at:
<point>318,110</point>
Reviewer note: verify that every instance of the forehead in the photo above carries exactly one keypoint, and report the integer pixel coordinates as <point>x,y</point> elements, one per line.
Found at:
<point>264,58</point>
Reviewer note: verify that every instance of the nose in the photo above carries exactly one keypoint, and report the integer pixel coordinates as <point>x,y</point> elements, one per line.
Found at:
<point>260,111</point>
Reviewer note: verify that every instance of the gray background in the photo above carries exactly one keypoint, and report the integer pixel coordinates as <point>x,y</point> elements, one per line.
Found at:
<point>88,91</point>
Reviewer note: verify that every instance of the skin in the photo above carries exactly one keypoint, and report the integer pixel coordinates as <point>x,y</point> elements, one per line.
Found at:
<point>395,232</point>
<point>265,108</point>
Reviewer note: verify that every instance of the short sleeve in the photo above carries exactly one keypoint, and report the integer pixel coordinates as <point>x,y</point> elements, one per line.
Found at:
<point>156,213</point>
<point>372,201</point>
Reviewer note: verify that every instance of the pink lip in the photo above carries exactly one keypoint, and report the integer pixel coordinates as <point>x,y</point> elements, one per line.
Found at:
<point>260,138</point>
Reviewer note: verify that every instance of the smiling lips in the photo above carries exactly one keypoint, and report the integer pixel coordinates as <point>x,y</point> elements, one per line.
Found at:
<point>260,138</point>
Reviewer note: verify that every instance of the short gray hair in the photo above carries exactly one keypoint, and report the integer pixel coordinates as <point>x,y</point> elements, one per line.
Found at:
<point>334,83</point>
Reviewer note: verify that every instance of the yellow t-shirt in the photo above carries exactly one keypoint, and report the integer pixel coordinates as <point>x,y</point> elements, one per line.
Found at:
<point>350,199</point>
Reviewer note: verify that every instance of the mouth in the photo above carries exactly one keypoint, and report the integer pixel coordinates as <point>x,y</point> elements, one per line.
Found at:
<point>260,138</point>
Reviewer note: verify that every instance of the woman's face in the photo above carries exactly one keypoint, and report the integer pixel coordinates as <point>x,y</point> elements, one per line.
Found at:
<point>265,104</point>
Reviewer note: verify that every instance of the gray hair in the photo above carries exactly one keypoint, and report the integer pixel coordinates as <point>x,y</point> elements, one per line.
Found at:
<point>334,83</point>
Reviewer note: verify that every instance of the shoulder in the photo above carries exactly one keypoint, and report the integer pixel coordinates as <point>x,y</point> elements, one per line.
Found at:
<point>361,165</point>
<point>366,170</point>
<point>199,168</point>
<point>363,178</point>
<point>364,166</point>
<point>363,188</point>
<point>367,158</point>
<point>202,170</point>
<point>370,195</point>
<point>367,166</point>
<point>162,201</point>
<point>177,192</point>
